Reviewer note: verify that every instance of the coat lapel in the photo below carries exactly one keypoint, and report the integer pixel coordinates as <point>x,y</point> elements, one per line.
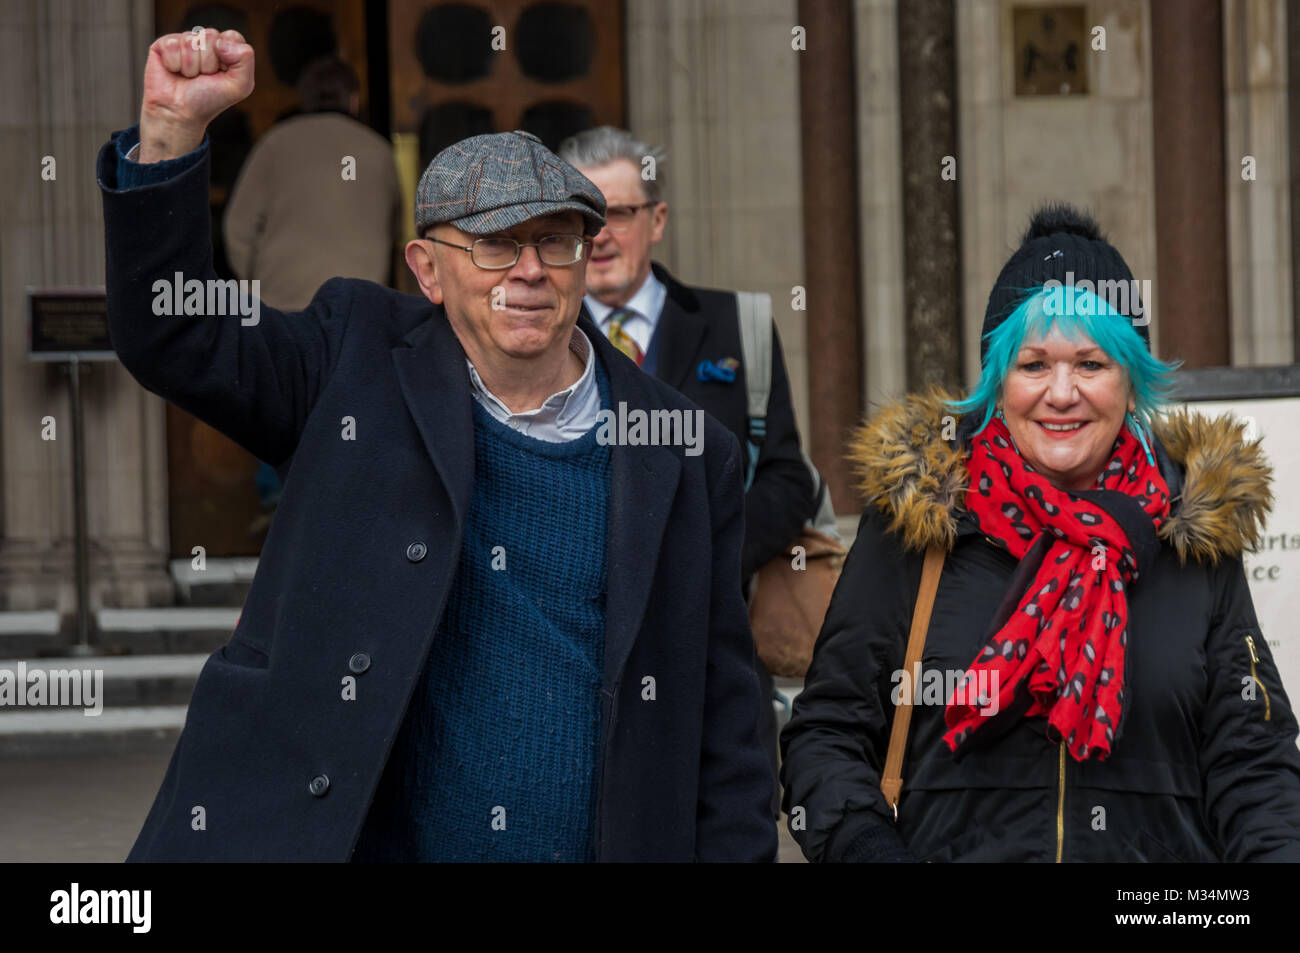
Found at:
<point>643,482</point>
<point>681,331</point>
<point>435,383</point>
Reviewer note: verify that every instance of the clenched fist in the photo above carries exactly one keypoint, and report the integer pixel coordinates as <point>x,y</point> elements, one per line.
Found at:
<point>189,79</point>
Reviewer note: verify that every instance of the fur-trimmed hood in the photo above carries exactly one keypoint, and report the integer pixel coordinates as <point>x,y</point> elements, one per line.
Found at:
<point>911,467</point>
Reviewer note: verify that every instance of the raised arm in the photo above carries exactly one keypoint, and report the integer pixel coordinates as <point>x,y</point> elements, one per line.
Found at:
<point>208,346</point>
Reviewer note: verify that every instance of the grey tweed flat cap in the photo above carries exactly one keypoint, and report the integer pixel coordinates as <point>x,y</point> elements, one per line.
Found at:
<point>487,183</point>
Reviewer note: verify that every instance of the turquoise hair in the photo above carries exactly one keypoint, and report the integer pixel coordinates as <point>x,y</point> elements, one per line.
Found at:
<point>1077,312</point>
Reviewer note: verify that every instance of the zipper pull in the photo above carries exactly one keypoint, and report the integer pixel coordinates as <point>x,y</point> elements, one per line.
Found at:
<point>1254,660</point>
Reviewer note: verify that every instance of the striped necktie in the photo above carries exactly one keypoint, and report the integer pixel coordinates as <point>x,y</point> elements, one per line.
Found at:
<point>620,338</point>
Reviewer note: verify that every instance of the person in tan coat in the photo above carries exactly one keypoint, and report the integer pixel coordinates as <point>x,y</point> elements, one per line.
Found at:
<point>318,197</point>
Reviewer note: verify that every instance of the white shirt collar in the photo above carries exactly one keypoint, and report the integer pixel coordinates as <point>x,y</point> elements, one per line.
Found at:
<point>565,415</point>
<point>648,303</point>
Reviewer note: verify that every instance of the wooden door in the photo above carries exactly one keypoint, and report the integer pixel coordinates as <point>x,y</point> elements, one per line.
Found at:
<point>461,69</point>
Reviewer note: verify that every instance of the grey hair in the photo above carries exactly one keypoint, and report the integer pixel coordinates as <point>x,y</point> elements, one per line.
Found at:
<point>606,144</point>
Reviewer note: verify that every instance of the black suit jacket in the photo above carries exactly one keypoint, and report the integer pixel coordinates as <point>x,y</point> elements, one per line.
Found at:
<point>700,324</point>
<point>363,551</point>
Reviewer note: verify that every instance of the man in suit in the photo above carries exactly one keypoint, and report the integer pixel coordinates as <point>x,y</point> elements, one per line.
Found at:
<point>689,338</point>
<point>480,628</point>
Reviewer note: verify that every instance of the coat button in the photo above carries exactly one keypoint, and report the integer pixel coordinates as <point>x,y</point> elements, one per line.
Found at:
<point>415,552</point>
<point>319,785</point>
<point>359,663</point>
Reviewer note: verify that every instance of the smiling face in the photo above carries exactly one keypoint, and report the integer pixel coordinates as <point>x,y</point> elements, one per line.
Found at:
<point>620,261</point>
<point>523,311</point>
<point>1064,402</point>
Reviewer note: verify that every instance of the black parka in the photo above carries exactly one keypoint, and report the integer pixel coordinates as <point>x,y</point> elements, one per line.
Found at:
<point>1205,766</point>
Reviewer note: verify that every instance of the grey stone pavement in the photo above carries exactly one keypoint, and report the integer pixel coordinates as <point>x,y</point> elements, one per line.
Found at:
<point>88,809</point>
<point>77,809</point>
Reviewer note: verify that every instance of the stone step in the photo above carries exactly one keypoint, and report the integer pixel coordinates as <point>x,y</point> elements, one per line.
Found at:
<point>123,681</point>
<point>68,732</point>
<point>31,634</point>
<point>178,630</point>
<point>222,582</point>
<point>34,635</point>
<point>170,630</point>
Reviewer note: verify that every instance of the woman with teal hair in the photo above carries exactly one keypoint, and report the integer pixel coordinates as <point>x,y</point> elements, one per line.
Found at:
<point>1094,684</point>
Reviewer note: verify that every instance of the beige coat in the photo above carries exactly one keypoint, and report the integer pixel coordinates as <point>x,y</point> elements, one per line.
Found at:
<point>294,220</point>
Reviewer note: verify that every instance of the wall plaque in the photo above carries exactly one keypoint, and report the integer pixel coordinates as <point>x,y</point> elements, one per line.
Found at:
<point>1051,47</point>
<point>63,323</point>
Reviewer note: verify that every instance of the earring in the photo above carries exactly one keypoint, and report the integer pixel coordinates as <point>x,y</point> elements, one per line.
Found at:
<point>1135,427</point>
<point>1002,417</point>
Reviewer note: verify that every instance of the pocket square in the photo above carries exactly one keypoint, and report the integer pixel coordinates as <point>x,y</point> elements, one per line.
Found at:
<point>721,370</point>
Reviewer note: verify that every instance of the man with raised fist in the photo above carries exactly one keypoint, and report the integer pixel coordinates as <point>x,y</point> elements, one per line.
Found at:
<point>482,628</point>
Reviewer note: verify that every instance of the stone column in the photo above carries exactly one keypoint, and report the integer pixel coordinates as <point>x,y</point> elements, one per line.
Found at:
<point>716,84</point>
<point>931,202</point>
<point>1258,182</point>
<point>72,71</point>
<point>1293,150</point>
<point>881,206</point>
<point>828,120</point>
<point>1191,201</point>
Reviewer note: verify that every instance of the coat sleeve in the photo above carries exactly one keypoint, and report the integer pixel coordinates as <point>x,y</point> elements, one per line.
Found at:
<point>1250,767</point>
<point>253,374</point>
<point>833,749</point>
<point>780,499</point>
<point>733,820</point>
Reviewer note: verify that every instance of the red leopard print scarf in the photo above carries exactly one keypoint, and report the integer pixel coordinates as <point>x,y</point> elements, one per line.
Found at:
<point>1068,635</point>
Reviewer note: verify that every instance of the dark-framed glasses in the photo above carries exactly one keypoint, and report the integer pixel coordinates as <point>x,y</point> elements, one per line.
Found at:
<point>619,218</point>
<point>499,253</point>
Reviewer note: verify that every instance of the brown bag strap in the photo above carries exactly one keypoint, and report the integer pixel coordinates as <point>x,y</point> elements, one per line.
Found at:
<point>891,782</point>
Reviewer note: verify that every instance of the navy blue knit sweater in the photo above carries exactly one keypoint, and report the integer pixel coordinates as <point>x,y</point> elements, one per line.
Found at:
<point>497,757</point>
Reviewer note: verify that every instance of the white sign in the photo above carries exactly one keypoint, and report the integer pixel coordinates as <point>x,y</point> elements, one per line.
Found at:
<point>1273,569</point>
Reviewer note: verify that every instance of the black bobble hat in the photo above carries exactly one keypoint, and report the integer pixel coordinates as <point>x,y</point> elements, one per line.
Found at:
<point>1059,241</point>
